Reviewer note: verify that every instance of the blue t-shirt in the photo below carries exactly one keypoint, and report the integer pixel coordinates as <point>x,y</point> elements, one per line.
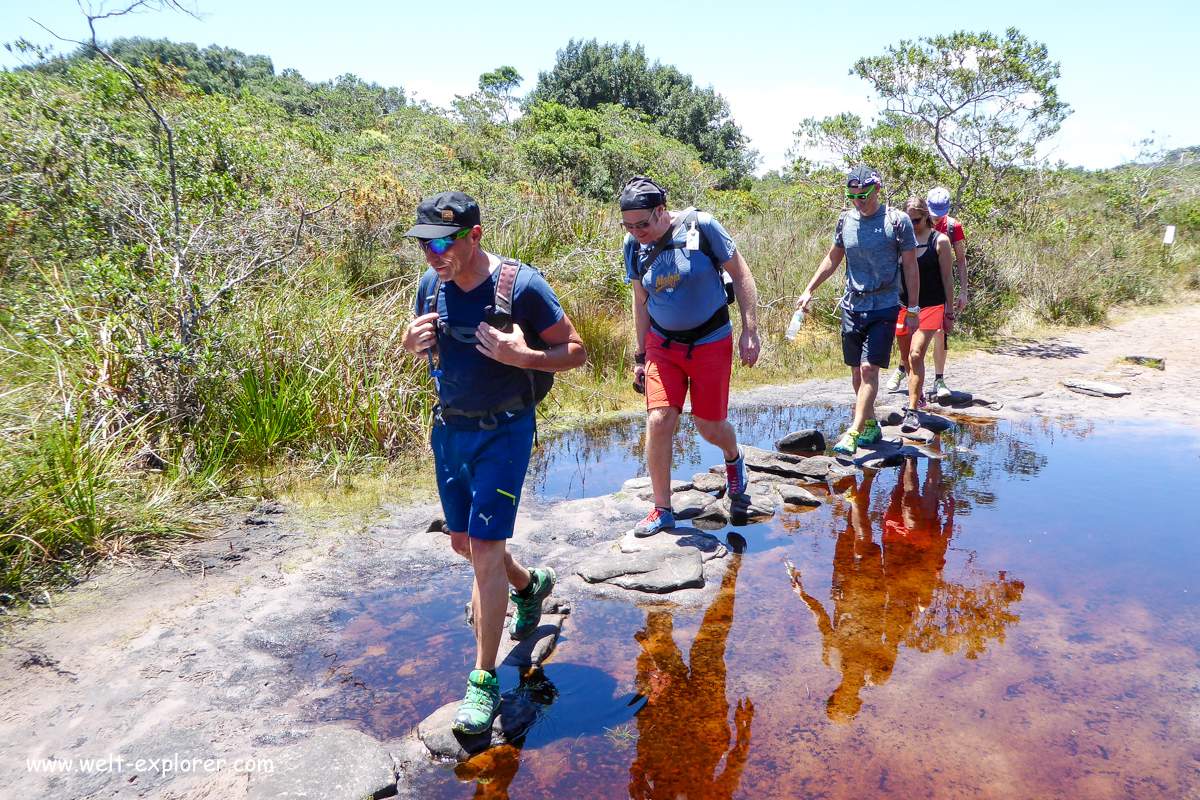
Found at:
<point>684,286</point>
<point>470,380</point>
<point>873,258</point>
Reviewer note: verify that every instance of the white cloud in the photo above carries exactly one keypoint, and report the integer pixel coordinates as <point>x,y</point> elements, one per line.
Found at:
<point>770,115</point>
<point>1085,140</point>
<point>435,93</point>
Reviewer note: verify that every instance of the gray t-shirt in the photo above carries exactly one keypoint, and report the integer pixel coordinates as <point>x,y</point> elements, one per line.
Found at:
<point>873,257</point>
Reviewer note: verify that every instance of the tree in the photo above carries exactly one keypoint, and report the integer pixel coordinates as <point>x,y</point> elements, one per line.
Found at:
<point>977,103</point>
<point>500,84</point>
<point>588,75</point>
<point>1140,187</point>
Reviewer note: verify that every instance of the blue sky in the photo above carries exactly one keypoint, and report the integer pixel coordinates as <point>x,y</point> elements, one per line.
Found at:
<point>1127,70</point>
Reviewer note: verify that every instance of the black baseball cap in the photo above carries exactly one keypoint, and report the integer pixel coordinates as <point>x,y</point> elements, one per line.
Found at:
<point>445,214</point>
<point>863,176</point>
<point>642,193</point>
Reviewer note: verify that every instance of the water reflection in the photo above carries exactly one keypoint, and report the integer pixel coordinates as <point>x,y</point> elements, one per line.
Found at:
<point>683,729</point>
<point>889,589</point>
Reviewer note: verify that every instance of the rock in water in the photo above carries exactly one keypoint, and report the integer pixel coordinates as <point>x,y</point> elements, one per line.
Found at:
<point>1094,388</point>
<point>690,503</point>
<point>802,442</point>
<point>796,496</point>
<point>655,570</point>
<point>708,482</point>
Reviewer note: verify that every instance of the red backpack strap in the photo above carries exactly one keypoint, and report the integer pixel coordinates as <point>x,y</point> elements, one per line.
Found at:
<point>506,283</point>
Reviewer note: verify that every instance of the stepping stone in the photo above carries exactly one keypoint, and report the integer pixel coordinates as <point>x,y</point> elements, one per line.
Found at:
<point>647,493</point>
<point>690,503</point>
<point>787,464</point>
<point>1094,388</point>
<point>657,570</point>
<point>709,547</point>
<point>922,435</point>
<point>796,496</point>
<point>633,485</point>
<point>708,482</point>
<point>1154,362</point>
<point>518,713</point>
<point>808,441</point>
<point>333,763</point>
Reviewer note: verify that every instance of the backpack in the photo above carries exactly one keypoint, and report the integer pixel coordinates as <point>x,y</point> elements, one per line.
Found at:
<point>891,218</point>
<point>689,219</point>
<point>499,315</point>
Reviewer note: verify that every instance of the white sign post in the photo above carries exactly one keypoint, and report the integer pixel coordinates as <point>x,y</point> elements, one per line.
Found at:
<point>1169,237</point>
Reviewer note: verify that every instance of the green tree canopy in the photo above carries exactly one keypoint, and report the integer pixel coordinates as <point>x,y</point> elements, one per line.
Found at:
<point>588,75</point>
<point>968,106</point>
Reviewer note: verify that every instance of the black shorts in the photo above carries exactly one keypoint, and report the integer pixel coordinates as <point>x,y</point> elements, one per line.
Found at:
<point>867,336</point>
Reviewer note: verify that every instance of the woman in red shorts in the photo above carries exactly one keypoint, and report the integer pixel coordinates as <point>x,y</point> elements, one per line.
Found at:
<point>935,260</point>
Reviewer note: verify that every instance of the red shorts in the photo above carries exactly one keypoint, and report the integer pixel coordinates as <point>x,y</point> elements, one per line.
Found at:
<point>930,319</point>
<point>669,374</point>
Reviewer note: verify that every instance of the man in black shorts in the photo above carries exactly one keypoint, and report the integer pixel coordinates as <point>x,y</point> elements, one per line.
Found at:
<point>874,240</point>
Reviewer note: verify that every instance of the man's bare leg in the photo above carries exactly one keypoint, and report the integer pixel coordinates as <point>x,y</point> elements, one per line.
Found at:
<point>660,438</point>
<point>720,433</point>
<point>489,596</point>
<point>866,389</point>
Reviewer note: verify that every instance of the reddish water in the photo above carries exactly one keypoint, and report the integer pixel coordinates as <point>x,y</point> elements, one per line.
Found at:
<point>1018,621</point>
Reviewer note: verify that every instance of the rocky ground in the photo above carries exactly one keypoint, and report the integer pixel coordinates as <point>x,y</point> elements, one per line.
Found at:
<point>194,657</point>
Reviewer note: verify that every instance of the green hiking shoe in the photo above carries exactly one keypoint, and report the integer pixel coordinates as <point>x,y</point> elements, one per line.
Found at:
<point>480,706</point>
<point>871,433</point>
<point>847,444</point>
<point>941,390</point>
<point>529,609</point>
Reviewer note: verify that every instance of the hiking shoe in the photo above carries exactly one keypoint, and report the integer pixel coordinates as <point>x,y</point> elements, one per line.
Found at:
<point>940,389</point>
<point>660,519</point>
<point>871,433</point>
<point>735,474</point>
<point>898,377</point>
<point>921,403</point>
<point>847,444</point>
<point>529,609</point>
<point>911,421</point>
<point>480,706</point>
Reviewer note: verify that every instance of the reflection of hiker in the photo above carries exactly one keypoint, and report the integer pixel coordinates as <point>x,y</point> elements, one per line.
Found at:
<point>676,262</point>
<point>879,590</point>
<point>874,240</point>
<point>937,286</point>
<point>683,730</point>
<point>483,432</point>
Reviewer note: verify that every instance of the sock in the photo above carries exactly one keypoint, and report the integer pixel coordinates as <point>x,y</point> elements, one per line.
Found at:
<point>528,590</point>
<point>492,672</point>
<point>664,508</point>
<point>937,377</point>
<point>734,460</point>
<point>903,371</point>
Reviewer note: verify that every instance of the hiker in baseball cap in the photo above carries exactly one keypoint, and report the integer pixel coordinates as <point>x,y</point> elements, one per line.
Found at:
<point>863,176</point>
<point>445,214</point>
<point>939,201</point>
<point>642,193</point>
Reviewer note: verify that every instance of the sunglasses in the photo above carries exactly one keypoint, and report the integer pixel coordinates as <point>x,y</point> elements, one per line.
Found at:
<point>441,245</point>
<point>915,220</point>
<point>639,226</point>
<point>862,196</point>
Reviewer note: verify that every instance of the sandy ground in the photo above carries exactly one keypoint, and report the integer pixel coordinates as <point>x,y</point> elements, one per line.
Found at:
<point>194,657</point>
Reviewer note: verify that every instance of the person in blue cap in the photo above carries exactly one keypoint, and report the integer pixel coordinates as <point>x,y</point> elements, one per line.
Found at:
<point>876,243</point>
<point>484,427</point>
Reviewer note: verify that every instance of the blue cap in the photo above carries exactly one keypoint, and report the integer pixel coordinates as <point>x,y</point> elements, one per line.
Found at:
<point>939,201</point>
<point>863,176</point>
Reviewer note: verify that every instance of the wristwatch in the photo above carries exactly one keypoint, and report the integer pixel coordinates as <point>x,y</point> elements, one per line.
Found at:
<point>639,358</point>
<point>913,309</point>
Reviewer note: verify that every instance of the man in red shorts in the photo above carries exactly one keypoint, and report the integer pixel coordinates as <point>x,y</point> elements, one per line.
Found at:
<point>677,262</point>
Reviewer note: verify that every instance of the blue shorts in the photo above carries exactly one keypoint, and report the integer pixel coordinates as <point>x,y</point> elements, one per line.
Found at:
<point>867,336</point>
<point>480,474</point>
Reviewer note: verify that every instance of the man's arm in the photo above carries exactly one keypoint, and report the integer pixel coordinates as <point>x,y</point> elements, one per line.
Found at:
<point>829,265</point>
<point>747,297</point>
<point>641,325</point>
<point>566,350</point>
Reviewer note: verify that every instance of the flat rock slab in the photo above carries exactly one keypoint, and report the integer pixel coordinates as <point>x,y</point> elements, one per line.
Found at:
<point>676,486</point>
<point>656,571</point>
<point>535,648</point>
<point>332,764</point>
<point>891,417</point>
<point>708,546</point>
<point>922,435</point>
<point>787,464</point>
<point>708,482</point>
<point>633,485</point>
<point>1094,388</point>
<point>690,503</point>
<point>796,496</point>
<point>806,442</point>
<point>517,715</point>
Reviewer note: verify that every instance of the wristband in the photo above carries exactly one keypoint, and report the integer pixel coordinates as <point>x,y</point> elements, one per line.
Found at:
<point>913,309</point>
<point>639,358</point>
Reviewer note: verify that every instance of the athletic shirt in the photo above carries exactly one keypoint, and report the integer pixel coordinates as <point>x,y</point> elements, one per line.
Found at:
<point>684,286</point>
<point>932,291</point>
<point>470,380</point>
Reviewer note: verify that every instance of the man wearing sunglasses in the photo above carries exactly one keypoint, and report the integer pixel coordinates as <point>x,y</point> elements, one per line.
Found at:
<point>484,428</point>
<point>676,262</point>
<point>876,242</point>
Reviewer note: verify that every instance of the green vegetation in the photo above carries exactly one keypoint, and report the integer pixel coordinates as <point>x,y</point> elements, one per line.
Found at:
<point>203,282</point>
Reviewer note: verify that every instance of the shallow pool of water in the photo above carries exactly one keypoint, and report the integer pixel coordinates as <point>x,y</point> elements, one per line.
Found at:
<point>1016,621</point>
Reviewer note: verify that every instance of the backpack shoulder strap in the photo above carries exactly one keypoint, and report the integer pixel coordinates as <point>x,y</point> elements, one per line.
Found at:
<point>629,248</point>
<point>950,225</point>
<point>431,295</point>
<point>894,220</point>
<point>506,282</point>
<point>841,223</point>
<point>692,220</point>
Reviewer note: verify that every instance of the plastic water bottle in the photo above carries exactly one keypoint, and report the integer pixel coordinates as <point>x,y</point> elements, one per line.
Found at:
<point>793,327</point>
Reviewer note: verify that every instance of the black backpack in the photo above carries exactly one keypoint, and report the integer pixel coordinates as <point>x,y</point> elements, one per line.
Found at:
<point>499,315</point>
